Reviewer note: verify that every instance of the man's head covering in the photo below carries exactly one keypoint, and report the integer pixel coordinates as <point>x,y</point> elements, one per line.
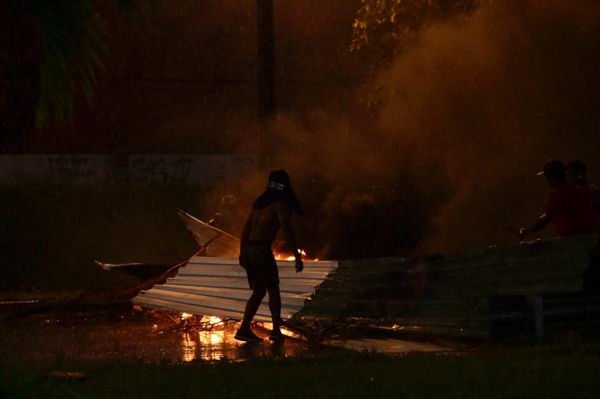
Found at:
<point>553,168</point>
<point>279,188</point>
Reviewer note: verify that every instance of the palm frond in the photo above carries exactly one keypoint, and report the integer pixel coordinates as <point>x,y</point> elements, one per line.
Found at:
<point>71,53</point>
<point>72,48</point>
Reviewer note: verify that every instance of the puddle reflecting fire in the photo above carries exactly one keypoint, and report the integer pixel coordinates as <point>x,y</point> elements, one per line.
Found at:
<point>205,345</point>
<point>188,348</point>
<point>210,338</point>
<point>206,338</point>
<point>149,337</point>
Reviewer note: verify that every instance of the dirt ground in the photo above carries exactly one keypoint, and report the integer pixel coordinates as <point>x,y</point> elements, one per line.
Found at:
<point>121,333</point>
<point>35,333</point>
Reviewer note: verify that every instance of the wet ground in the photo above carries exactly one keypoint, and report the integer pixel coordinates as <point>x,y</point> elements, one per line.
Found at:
<point>38,334</point>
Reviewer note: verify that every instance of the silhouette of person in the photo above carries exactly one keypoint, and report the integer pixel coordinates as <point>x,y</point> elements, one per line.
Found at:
<point>270,213</point>
<point>571,208</point>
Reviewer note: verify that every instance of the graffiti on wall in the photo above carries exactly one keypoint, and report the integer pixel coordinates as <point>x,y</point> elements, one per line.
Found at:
<point>169,170</point>
<point>70,167</point>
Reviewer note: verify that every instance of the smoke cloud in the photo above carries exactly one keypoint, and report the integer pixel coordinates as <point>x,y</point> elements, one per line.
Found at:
<point>467,116</point>
<point>447,159</point>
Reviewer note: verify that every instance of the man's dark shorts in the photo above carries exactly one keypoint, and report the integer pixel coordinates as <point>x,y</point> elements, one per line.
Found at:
<point>259,262</point>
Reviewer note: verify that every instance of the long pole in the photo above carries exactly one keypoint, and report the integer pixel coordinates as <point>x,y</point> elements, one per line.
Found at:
<point>267,105</point>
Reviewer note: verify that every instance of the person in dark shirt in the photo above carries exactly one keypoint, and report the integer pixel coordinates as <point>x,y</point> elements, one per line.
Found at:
<point>571,208</point>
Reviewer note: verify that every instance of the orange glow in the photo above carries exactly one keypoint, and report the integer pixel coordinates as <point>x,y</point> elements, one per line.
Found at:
<point>209,343</point>
<point>286,256</point>
<point>185,316</point>
<point>211,320</point>
<point>188,348</point>
<point>211,337</point>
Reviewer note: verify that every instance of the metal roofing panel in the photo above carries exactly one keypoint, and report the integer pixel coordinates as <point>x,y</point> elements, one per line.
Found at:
<point>292,286</point>
<point>219,287</point>
<point>221,242</point>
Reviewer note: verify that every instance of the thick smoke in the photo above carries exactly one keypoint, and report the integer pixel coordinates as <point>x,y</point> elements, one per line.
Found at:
<point>468,115</point>
<point>486,101</point>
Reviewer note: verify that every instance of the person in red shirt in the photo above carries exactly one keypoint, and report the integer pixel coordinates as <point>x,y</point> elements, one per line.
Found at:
<point>570,207</point>
<point>577,173</point>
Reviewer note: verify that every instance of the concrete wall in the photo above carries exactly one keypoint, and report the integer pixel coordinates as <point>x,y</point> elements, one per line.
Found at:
<point>203,170</point>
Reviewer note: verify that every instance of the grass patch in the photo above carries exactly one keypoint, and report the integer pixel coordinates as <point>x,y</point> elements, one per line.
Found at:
<point>532,373</point>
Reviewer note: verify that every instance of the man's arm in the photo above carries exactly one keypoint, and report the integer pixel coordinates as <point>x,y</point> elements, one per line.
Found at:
<point>539,224</point>
<point>284,216</point>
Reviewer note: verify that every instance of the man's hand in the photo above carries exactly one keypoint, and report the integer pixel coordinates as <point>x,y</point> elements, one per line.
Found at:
<point>299,264</point>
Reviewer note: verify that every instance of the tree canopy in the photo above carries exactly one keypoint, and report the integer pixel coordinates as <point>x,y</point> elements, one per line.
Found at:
<point>385,27</point>
<point>382,29</point>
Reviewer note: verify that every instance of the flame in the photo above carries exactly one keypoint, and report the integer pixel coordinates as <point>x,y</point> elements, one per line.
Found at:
<point>212,320</point>
<point>285,256</point>
<point>185,316</point>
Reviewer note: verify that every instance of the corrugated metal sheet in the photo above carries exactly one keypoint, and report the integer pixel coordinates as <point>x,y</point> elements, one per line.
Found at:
<point>449,295</point>
<point>219,287</point>
<point>215,242</point>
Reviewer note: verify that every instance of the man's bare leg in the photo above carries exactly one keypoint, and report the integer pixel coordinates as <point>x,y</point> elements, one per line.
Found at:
<point>275,308</point>
<point>245,333</point>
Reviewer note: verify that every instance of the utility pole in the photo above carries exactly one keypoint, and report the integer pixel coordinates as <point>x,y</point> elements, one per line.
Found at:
<point>267,105</point>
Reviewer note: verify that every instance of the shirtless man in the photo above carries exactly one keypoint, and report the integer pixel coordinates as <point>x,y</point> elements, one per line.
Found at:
<point>271,212</point>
